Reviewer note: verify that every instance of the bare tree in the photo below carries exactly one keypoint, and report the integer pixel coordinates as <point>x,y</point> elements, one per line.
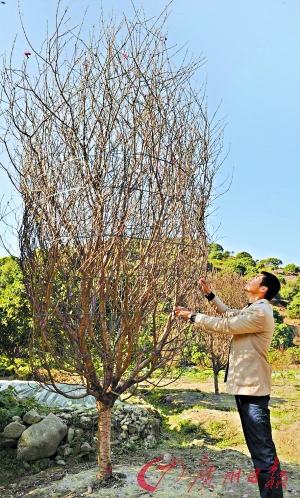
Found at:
<point>114,156</point>
<point>214,348</point>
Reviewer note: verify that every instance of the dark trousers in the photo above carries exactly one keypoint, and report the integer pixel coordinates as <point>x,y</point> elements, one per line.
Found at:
<point>255,417</point>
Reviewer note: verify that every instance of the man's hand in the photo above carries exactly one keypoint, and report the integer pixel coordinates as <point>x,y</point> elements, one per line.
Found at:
<point>205,286</point>
<point>182,312</point>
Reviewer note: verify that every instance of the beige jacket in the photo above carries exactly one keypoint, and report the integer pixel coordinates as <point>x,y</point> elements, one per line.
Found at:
<point>252,330</point>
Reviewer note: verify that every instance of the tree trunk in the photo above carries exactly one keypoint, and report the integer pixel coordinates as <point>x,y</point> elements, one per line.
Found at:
<point>216,381</point>
<point>104,431</point>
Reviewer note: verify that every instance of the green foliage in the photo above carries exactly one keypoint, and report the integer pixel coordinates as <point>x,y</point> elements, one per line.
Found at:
<point>293,309</point>
<point>215,247</point>
<point>15,314</point>
<point>283,336</point>
<point>215,255</point>
<point>235,266</point>
<point>281,279</point>
<point>17,366</point>
<point>261,264</point>
<point>251,271</point>
<point>248,262</point>
<point>188,427</point>
<point>293,355</point>
<point>291,269</point>
<point>278,318</point>
<point>11,405</point>
<point>281,360</point>
<point>273,262</point>
<point>288,293</point>
<point>243,255</point>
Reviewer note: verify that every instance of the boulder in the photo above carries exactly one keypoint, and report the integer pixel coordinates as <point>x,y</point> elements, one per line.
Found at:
<point>31,417</point>
<point>14,430</point>
<point>41,439</point>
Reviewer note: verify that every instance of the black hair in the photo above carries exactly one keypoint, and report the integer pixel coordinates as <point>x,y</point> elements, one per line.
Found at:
<point>271,281</point>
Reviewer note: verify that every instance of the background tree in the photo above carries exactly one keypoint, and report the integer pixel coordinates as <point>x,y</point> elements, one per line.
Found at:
<point>215,247</point>
<point>293,309</point>
<point>213,348</point>
<point>274,262</point>
<point>283,336</point>
<point>291,269</point>
<point>235,265</point>
<point>114,156</point>
<point>243,255</point>
<point>15,313</point>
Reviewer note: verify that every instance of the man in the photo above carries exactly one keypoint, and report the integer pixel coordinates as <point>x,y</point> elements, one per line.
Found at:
<point>248,374</point>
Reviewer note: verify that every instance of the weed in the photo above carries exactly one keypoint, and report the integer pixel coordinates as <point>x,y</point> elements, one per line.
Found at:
<point>11,405</point>
<point>187,427</point>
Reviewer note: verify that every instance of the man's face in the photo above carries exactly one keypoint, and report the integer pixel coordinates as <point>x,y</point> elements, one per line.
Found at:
<point>253,284</point>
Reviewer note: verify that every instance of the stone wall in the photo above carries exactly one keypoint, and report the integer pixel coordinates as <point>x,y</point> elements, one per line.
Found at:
<point>72,432</point>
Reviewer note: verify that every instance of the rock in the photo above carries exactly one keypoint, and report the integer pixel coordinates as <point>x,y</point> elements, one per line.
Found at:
<point>67,409</point>
<point>150,441</point>
<point>79,412</point>
<point>71,433</point>
<point>17,419</point>
<point>132,429</point>
<point>86,422</point>
<point>41,439</point>
<point>68,451</point>
<point>26,465</point>
<point>79,431</point>
<point>95,442</point>
<point>76,450</point>
<point>61,462</point>
<point>167,457</point>
<point>31,417</point>
<point>124,427</point>
<point>66,416</point>
<point>86,447</point>
<point>145,420</point>
<point>14,430</point>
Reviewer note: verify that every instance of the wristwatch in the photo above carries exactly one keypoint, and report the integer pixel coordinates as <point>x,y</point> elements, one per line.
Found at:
<point>209,296</point>
<point>192,317</point>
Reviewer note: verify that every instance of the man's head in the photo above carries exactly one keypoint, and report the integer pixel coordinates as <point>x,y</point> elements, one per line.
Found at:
<point>265,285</point>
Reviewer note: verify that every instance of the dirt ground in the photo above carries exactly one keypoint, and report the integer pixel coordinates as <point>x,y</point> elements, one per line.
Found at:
<point>198,465</point>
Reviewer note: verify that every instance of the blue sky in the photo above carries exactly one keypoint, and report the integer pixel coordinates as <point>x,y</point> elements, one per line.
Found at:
<point>252,49</point>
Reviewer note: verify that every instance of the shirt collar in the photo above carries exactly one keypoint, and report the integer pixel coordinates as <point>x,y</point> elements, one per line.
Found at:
<point>258,302</point>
